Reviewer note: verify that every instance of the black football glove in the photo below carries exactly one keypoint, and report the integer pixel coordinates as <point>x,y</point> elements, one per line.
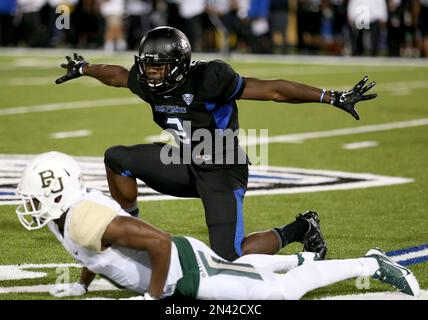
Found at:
<point>346,100</point>
<point>74,68</point>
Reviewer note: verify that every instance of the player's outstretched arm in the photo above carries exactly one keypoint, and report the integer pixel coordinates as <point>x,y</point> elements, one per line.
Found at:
<point>294,92</point>
<point>111,75</point>
<point>137,234</point>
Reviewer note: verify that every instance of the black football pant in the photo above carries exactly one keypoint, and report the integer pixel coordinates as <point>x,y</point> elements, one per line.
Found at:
<point>220,188</point>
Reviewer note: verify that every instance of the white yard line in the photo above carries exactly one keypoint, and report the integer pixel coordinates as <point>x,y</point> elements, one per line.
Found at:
<point>15,272</point>
<point>403,85</point>
<point>31,81</point>
<point>70,105</point>
<point>290,138</point>
<point>301,137</point>
<point>44,265</point>
<point>47,81</point>
<point>394,87</point>
<point>71,134</point>
<point>360,145</point>
<point>97,285</point>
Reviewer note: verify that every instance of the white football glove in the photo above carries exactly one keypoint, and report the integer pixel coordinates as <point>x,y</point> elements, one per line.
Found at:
<point>146,296</point>
<point>68,290</point>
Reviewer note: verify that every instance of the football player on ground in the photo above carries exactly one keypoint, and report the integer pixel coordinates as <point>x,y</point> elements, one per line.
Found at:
<point>135,255</point>
<point>202,94</point>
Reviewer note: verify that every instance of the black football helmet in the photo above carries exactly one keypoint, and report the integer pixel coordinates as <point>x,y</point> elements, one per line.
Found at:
<point>164,46</point>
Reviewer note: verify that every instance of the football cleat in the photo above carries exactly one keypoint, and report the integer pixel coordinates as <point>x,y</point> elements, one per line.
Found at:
<point>394,274</point>
<point>313,240</point>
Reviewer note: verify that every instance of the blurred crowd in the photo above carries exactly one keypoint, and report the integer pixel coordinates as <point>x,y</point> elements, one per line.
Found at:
<point>338,27</point>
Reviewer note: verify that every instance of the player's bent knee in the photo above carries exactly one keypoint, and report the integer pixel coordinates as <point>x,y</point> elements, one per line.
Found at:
<point>112,153</point>
<point>113,157</point>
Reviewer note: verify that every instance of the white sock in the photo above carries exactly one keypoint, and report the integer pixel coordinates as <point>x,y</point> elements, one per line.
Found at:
<point>310,276</point>
<point>370,266</point>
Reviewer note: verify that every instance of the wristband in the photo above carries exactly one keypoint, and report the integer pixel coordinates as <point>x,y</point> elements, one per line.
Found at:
<point>322,95</point>
<point>81,68</point>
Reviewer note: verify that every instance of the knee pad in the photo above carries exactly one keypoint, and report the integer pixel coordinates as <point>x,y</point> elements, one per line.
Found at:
<point>114,157</point>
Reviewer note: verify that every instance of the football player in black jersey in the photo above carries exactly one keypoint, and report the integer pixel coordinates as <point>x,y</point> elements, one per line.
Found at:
<point>186,96</point>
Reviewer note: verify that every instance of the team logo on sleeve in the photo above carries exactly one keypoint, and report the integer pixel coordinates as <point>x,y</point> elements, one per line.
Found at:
<point>188,98</point>
<point>262,180</point>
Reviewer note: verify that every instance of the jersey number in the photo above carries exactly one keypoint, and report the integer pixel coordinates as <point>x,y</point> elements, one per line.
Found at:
<point>177,124</point>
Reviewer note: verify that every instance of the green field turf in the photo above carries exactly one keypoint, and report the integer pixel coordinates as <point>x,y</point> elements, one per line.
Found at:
<point>353,221</point>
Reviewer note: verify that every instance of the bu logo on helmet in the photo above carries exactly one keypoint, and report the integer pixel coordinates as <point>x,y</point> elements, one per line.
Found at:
<point>47,178</point>
<point>188,98</point>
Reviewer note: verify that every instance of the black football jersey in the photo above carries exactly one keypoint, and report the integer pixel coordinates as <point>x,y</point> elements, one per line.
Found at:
<point>202,108</point>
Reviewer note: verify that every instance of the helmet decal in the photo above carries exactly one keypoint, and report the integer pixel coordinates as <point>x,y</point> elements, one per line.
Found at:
<point>181,45</point>
<point>49,186</point>
<point>48,177</point>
